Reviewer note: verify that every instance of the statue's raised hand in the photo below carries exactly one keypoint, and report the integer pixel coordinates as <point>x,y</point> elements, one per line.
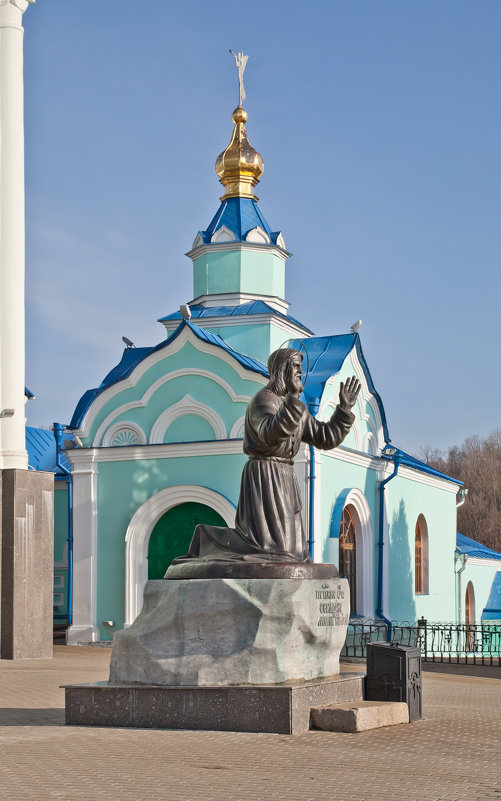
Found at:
<point>348,393</point>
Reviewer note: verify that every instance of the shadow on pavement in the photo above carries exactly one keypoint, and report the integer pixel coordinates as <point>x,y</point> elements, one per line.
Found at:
<point>31,717</point>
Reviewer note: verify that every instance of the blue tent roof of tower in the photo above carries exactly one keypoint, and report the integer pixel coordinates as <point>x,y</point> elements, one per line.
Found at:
<point>240,215</point>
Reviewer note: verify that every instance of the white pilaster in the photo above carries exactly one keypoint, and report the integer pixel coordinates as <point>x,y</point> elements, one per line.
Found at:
<point>318,545</point>
<point>12,235</point>
<point>84,627</point>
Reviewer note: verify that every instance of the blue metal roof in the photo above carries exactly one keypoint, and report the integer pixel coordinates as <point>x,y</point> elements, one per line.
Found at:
<point>472,548</point>
<point>133,356</point>
<point>492,610</point>
<point>251,308</point>
<point>240,215</point>
<point>41,447</point>
<point>130,357</point>
<point>326,356</point>
<point>410,461</point>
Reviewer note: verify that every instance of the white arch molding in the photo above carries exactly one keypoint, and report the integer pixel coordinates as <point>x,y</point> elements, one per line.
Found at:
<point>169,349</point>
<point>174,374</point>
<point>136,435</point>
<point>185,406</point>
<point>325,414</point>
<point>257,234</point>
<point>138,534</point>
<point>237,429</point>
<point>357,502</point>
<point>223,234</point>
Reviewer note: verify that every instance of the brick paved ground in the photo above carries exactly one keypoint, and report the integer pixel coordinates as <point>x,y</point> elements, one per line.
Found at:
<point>453,753</point>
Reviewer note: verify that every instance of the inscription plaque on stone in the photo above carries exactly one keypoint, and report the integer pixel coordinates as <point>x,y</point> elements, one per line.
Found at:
<point>331,605</point>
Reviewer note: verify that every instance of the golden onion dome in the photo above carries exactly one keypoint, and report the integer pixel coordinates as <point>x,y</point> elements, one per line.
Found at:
<point>239,166</point>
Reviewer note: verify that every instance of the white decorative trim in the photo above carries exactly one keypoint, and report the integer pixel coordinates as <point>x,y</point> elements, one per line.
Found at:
<point>383,467</point>
<point>477,560</point>
<point>22,5</point>
<point>182,373</point>
<point>237,429</point>
<point>257,234</point>
<point>367,396</point>
<point>325,414</point>
<point>317,506</point>
<point>364,550</point>
<point>281,241</point>
<point>186,335</point>
<point>425,478</point>
<point>85,469</point>
<point>247,247</point>
<point>185,406</point>
<point>238,299</point>
<point>126,425</point>
<point>142,524</point>
<point>345,454</point>
<point>172,450</point>
<point>370,444</point>
<point>197,241</point>
<point>223,234</point>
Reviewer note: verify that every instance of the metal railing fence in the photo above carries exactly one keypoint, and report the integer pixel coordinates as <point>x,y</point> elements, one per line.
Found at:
<point>478,644</point>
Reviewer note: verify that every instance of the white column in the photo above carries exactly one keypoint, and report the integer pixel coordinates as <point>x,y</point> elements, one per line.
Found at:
<point>85,468</point>
<point>12,235</point>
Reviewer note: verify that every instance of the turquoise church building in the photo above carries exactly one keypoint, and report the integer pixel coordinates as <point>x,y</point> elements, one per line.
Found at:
<point>158,444</point>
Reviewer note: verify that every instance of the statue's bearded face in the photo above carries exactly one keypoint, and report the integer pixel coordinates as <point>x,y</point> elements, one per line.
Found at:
<point>295,365</point>
<point>282,364</point>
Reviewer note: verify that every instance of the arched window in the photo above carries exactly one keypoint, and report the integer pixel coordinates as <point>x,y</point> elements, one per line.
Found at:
<point>421,557</point>
<point>418,560</point>
<point>348,555</point>
<point>469,617</point>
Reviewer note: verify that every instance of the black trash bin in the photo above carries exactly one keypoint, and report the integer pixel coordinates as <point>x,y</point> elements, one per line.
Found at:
<point>394,674</point>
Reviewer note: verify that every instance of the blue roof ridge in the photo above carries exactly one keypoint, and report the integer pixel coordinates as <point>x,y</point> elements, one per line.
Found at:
<point>198,310</point>
<point>473,548</point>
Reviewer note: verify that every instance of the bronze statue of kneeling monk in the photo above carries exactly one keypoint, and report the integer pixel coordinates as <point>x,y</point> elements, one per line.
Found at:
<point>268,539</point>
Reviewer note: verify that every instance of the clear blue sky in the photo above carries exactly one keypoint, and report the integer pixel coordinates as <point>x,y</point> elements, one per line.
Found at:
<point>379,125</point>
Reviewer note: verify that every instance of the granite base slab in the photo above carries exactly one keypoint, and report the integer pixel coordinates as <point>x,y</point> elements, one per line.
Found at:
<point>279,709</point>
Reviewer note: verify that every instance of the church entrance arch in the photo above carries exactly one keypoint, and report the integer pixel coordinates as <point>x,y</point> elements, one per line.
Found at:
<point>172,534</point>
<point>142,525</point>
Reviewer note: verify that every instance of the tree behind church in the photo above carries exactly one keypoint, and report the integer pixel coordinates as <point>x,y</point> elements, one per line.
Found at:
<point>477,462</point>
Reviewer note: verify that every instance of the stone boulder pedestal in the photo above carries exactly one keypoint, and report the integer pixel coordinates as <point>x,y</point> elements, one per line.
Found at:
<point>234,631</point>
<point>227,654</point>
